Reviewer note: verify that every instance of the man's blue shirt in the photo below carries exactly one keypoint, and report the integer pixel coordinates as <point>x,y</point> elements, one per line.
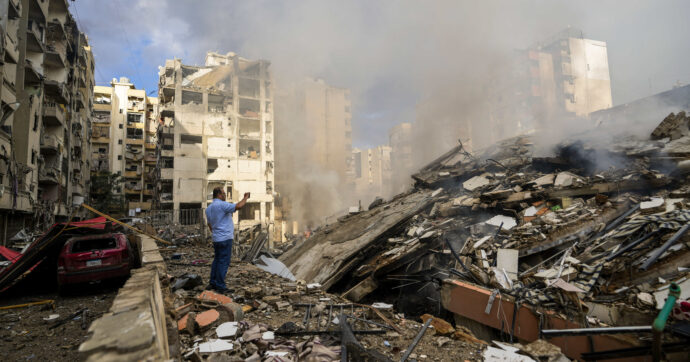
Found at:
<point>219,215</point>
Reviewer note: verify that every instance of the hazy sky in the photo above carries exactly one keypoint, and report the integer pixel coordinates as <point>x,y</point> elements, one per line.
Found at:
<point>391,54</point>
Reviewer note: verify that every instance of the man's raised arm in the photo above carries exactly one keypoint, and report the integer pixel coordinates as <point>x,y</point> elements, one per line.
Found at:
<point>241,204</point>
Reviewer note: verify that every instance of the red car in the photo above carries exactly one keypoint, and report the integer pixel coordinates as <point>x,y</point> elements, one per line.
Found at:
<point>94,257</point>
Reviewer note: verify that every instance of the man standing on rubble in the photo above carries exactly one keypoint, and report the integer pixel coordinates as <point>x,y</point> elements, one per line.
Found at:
<point>219,219</point>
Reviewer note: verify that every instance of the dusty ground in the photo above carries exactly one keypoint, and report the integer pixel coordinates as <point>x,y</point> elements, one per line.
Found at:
<point>242,276</point>
<point>25,336</point>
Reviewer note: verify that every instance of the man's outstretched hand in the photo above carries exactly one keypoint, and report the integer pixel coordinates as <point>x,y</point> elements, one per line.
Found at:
<point>246,195</point>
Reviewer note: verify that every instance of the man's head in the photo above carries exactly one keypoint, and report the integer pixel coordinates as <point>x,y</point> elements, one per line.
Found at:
<point>218,193</point>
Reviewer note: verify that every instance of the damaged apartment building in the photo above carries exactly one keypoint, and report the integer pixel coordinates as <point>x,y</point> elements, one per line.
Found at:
<point>47,71</point>
<point>123,140</point>
<point>216,130</point>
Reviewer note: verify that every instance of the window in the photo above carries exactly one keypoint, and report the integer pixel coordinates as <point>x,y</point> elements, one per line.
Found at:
<point>33,157</point>
<point>212,165</point>
<point>119,126</point>
<point>119,142</point>
<point>81,246</point>
<point>187,139</point>
<point>35,122</point>
<point>119,157</point>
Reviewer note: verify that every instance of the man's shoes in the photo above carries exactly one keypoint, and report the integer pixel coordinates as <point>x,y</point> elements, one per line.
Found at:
<point>210,287</point>
<point>226,291</point>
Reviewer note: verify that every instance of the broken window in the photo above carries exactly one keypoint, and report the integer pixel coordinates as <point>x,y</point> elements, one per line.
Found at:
<point>250,128</point>
<point>269,187</point>
<point>249,87</point>
<point>250,211</point>
<point>212,165</point>
<point>191,97</point>
<point>250,107</point>
<point>269,127</point>
<point>135,133</point>
<point>167,162</point>
<point>215,103</point>
<point>250,149</point>
<point>188,139</point>
<point>134,118</point>
<point>83,246</point>
<point>268,147</point>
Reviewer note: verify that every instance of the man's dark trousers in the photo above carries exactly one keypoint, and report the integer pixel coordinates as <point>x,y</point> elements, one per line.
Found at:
<point>221,262</point>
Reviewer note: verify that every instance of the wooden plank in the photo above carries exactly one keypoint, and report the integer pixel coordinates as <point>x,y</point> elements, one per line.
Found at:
<point>123,224</point>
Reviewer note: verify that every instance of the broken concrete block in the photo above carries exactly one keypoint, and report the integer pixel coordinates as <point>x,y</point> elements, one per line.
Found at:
<point>208,295</point>
<point>646,299</point>
<point>545,180</point>
<point>272,299</point>
<point>565,179</point>
<point>656,204</point>
<point>530,211</point>
<point>505,222</point>
<point>476,182</point>
<point>232,312</point>
<point>507,259</point>
<point>440,326</point>
<point>254,292</point>
<point>216,345</point>
<point>282,305</point>
<point>206,318</point>
<point>227,329</point>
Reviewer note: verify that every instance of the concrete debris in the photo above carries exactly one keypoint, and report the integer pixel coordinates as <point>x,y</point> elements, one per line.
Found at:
<point>217,345</point>
<point>227,329</point>
<point>585,224</point>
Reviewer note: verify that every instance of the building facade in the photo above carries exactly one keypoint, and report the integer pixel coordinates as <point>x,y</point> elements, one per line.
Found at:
<point>216,130</point>
<point>402,162</point>
<point>123,140</point>
<point>556,80</point>
<point>47,81</point>
<point>372,173</point>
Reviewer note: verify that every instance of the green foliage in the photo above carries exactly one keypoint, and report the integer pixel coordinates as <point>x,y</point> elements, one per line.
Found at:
<point>103,193</point>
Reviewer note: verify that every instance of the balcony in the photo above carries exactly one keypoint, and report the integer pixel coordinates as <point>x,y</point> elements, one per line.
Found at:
<point>38,9</point>
<point>34,38</point>
<point>53,115</point>
<point>76,165</point>
<point>57,31</point>
<point>14,9</point>
<point>49,175</point>
<point>79,97</point>
<point>33,73</point>
<point>50,144</point>
<point>146,205</point>
<point>55,56</point>
<point>150,146</point>
<point>11,47</point>
<point>132,174</point>
<point>56,90</point>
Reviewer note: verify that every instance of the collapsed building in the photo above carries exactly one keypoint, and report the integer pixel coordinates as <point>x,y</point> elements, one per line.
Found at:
<point>510,242</point>
<point>215,130</point>
<point>48,76</point>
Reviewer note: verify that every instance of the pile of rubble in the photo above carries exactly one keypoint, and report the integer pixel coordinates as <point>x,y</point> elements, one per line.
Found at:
<point>602,219</point>
<point>269,318</point>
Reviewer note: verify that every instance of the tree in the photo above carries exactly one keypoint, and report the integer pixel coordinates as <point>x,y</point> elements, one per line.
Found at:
<point>106,193</point>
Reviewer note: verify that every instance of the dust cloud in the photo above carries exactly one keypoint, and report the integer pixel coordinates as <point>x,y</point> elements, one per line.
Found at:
<point>403,61</point>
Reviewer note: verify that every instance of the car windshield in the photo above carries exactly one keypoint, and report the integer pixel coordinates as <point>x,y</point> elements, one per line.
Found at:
<point>81,246</point>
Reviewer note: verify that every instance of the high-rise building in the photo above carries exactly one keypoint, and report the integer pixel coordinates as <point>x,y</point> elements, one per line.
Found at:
<point>555,80</point>
<point>372,173</point>
<point>402,162</point>
<point>47,71</point>
<point>216,130</point>
<point>314,143</point>
<point>123,140</point>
